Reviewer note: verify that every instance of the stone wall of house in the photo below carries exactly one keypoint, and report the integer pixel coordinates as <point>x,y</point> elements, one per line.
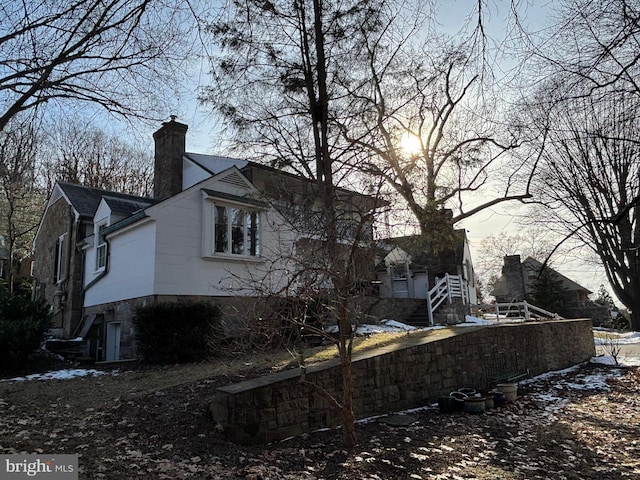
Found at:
<point>65,295</point>
<point>374,309</point>
<point>409,374</point>
<point>237,312</point>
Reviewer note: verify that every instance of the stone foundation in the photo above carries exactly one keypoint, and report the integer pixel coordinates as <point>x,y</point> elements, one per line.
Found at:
<point>238,314</point>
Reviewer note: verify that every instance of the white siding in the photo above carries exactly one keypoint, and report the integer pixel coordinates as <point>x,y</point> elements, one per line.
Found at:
<point>420,285</point>
<point>130,268</point>
<point>180,266</point>
<point>469,275</point>
<point>163,254</point>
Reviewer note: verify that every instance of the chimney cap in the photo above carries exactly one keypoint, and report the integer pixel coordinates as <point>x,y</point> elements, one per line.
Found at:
<point>171,126</point>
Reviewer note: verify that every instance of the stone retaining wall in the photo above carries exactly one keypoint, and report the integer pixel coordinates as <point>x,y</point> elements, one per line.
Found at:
<point>409,374</point>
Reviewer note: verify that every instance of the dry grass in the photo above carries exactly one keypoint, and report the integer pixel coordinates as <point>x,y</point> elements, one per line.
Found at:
<point>133,380</point>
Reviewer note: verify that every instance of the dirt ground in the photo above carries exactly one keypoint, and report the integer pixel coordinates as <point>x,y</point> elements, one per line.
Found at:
<point>550,432</point>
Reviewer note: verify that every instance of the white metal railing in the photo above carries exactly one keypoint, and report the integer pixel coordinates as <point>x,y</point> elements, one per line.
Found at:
<point>446,288</point>
<point>518,310</point>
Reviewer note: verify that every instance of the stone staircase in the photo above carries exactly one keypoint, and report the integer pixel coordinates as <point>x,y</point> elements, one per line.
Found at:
<point>447,314</point>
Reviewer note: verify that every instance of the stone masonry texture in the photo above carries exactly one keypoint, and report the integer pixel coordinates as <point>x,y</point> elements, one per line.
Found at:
<point>409,374</point>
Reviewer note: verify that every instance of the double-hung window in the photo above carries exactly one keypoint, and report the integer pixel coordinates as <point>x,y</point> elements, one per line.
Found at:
<point>101,247</point>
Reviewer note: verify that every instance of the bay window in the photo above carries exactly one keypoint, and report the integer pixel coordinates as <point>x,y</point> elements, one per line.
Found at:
<point>236,231</point>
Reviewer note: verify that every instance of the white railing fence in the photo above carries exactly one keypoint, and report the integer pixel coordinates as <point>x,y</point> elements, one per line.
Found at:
<point>446,288</point>
<point>515,310</point>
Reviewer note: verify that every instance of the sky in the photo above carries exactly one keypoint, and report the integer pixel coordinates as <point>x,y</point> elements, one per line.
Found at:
<point>453,16</point>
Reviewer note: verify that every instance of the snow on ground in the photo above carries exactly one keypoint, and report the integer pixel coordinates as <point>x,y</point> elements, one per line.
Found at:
<point>60,375</point>
<point>623,360</point>
<point>395,326</point>
<point>621,338</point>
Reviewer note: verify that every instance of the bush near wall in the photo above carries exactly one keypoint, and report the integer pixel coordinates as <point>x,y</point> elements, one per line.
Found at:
<point>177,332</point>
<point>23,325</point>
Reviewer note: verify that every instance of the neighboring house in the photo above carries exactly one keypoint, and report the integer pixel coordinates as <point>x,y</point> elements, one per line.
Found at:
<point>217,228</point>
<point>518,279</point>
<point>408,269</point>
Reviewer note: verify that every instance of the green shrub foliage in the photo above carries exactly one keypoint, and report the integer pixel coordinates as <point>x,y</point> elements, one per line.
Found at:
<point>177,332</point>
<point>23,325</point>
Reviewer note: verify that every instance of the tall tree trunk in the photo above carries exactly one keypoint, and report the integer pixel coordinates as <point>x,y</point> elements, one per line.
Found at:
<point>337,271</point>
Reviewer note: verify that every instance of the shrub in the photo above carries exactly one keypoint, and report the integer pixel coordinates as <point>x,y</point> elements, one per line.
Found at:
<point>23,325</point>
<point>177,332</point>
<point>279,322</point>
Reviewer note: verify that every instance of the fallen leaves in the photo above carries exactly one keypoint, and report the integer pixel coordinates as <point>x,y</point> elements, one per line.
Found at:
<point>563,426</point>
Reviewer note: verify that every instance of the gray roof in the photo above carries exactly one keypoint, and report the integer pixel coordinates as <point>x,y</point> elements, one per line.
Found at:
<point>85,200</point>
<point>126,206</point>
<point>567,283</point>
<point>215,164</point>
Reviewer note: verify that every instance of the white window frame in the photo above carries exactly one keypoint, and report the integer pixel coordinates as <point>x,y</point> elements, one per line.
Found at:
<point>231,227</point>
<point>211,243</point>
<point>100,246</point>
<point>58,272</point>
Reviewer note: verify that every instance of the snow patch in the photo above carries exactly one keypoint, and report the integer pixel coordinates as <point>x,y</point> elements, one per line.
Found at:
<point>61,375</point>
<point>619,338</point>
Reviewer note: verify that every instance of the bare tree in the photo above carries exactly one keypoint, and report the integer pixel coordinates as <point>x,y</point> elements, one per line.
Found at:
<point>278,81</point>
<point>584,101</point>
<point>433,130</point>
<point>117,54</point>
<point>22,199</point>
<point>593,48</point>
<point>536,242</point>
<point>591,183</point>
<point>88,156</point>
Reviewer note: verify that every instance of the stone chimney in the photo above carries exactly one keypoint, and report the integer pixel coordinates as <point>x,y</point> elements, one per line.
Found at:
<point>170,143</point>
<point>512,271</point>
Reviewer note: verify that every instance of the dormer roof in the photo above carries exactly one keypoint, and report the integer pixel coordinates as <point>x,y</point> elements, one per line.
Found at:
<point>85,200</point>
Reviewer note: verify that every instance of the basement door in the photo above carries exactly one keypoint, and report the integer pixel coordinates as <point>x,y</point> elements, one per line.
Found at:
<point>112,353</point>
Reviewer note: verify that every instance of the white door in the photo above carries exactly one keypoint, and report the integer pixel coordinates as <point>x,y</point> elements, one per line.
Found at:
<point>113,342</point>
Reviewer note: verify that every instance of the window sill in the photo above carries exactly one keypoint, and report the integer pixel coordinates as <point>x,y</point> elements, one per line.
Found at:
<point>233,258</point>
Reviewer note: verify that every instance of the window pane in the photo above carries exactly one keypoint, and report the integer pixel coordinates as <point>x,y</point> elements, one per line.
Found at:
<point>101,249</point>
<point>253,232</point>
<point>57,269</point>
<point>101,256</point>
<point>237,231</point>
<point>220,232</point>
